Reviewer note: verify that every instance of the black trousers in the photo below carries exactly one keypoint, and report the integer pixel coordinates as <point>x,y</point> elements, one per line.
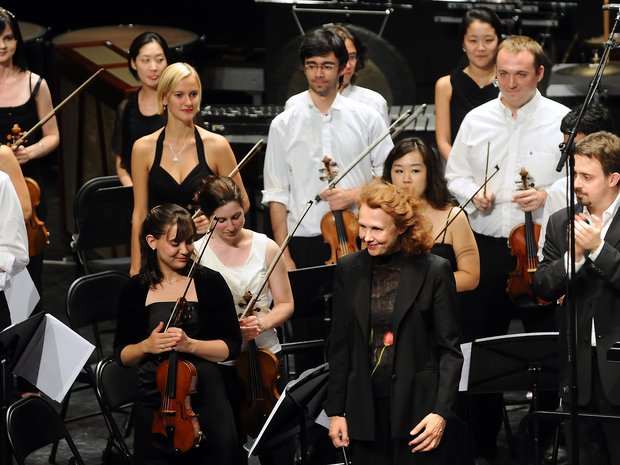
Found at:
<point>598,442</point>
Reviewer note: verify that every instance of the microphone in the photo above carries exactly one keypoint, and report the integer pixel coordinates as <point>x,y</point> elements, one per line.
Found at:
<point>612,6</point>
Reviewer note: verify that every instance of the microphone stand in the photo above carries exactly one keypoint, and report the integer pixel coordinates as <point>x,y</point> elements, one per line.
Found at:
<point>567,156</point>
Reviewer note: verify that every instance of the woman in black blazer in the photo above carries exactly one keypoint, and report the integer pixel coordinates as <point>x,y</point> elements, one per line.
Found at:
<point>394,355</point>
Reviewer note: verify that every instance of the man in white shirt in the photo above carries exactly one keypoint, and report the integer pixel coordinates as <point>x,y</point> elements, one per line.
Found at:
<point>519,129</point>
<point>357,60</point>
<point>596,293</point>
<point>323,123</point>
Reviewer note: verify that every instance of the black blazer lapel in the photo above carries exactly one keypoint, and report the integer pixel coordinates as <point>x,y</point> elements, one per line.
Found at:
<point>613,233</point>
<point>361,298</point>
<point>410,282</point>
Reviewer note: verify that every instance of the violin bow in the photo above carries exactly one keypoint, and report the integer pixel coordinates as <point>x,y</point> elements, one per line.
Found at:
<point>462,208</point>
<point>47,117</point>
<point>275,260</point>
<point>486,169</point>
<point>253,151</point>
<point>190,274</point>
<point>402,120</point>
<point>244,161</point>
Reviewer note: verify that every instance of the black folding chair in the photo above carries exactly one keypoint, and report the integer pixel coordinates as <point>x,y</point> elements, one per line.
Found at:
<point>33,423</point>
<point>102,211</point>
<point>117,387</point>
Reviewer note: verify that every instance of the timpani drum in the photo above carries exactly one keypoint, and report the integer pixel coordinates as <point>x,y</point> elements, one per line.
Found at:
<point>122,35</point>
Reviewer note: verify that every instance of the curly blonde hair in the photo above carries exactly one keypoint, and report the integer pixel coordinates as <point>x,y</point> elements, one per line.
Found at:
<point>403,208</point>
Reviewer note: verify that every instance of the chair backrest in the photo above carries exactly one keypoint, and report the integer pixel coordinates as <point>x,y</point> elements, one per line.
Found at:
<point>118,388</point>
<point>117,385</point>
<point>33,423</point>
<point>93,299</point>
<point>102,211</point>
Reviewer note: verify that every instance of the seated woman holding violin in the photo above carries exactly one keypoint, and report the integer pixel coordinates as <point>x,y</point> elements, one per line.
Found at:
<point>198,426</point>
<point>245,259</point>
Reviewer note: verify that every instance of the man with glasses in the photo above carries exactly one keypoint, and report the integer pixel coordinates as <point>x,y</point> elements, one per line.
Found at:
<point>358,54</point>
<point>323,123</point>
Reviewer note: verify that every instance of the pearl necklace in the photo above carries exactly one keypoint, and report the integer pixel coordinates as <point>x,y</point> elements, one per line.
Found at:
<point>175,155</point>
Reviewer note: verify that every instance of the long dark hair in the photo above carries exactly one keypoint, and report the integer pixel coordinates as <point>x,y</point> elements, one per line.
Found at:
<point>157,223</point>
<point>139,42</point>
<point>484,15</point>
<point>7,19</point>
<point>436,192</point>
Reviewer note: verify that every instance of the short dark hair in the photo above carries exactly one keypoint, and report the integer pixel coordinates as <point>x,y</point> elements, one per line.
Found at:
<point>142,40</point>
<point>321,41</point>
<point>597,117</point>
<point>436,192</point>
<point>7,19</point>
<point>360,48</point>
<point>484,15</point>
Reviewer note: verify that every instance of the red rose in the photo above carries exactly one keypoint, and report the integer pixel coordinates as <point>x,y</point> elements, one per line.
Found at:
<point>388,338</point>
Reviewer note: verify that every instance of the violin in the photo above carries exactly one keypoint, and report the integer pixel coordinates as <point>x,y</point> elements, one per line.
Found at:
<point>258,370</point>
<point>38,235</point>
<point>175,421</point>
<point>176,381</point>
<point>338,227</point>
<point>523,242</point>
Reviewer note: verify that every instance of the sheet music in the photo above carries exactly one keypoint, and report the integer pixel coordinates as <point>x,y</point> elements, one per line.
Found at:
<point>21,296</point>
<point>466,349</point>
<point>53,358</point>
<point>275,408</point>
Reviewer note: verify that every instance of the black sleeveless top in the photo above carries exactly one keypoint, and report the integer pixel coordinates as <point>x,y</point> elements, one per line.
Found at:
<point>129,126</point>
<point>445,250</point>
<point>466,95</point>
<point>26,116</point>
<point>163,188</point>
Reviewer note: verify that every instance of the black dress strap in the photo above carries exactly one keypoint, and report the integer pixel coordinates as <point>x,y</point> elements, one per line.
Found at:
<point>445,229</point>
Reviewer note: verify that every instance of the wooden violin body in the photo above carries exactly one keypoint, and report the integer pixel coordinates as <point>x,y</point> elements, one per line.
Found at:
<point>523,242</point>
<point>175,420</point>
<point>339,230</point>
<point>338,227</point>
<point>38,235</point>
<point>258,370</point>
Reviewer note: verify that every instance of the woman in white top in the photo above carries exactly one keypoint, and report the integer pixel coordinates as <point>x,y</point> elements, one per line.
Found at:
<point>243,257</point>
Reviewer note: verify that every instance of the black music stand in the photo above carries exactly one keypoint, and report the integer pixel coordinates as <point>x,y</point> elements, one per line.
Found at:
<point>299,405</point>
<point>311,321</point>
<point>515,362</point>
<point>13,343</point>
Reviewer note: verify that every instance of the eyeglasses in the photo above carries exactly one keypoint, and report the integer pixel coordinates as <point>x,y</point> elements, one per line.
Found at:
<point>324,67</point>
<point>352,56</point>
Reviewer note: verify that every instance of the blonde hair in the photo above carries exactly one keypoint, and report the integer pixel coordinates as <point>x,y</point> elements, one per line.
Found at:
<point>516,44</point>
<point>403,208</point>
<point>170,78</point>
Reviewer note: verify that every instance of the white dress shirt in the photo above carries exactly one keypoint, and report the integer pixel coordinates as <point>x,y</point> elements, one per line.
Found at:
<point>359,94</point>
<point>528,141</point>
<point>13,236</point>
<point>301,136</point>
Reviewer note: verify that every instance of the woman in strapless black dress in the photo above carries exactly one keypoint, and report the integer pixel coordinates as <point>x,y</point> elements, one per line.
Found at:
<point>209,333</point>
